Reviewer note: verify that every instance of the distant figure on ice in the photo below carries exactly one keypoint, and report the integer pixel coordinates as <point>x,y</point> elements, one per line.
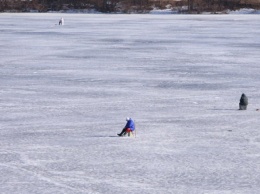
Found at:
<point>243,102</point>
<point>61,22</point>
<point>129,127</point>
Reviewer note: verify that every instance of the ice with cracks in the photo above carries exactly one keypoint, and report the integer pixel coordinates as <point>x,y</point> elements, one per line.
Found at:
<point>65,92</point>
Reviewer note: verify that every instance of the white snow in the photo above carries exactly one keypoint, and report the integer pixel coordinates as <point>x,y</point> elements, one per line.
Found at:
<point>65,92</point>
<point>163,11</point>
<point>185,8</point>
<point>245,11</point>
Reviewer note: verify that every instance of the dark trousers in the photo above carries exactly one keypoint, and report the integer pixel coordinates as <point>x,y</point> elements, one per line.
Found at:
<point>242,107</point>
<point>123,132</point>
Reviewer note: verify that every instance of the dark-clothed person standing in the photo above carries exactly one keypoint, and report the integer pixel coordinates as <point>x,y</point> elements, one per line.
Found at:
<point>243,102</point>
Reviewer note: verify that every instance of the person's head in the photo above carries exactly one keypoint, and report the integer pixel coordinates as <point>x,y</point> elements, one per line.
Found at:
<point>127,118</point>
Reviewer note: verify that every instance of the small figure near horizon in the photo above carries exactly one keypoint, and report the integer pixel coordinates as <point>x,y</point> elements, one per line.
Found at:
<point>129,127</point>
<point>61,22</point>
<point>243,102</point>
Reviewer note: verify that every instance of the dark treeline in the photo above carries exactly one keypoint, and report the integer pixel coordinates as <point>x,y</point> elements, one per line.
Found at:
<point>125,6</point>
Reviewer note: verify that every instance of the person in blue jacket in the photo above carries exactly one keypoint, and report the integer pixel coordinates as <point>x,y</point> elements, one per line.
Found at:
<point>130,126</point>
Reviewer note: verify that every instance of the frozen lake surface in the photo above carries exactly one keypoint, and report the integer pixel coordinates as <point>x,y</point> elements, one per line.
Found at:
<point>65,92</point>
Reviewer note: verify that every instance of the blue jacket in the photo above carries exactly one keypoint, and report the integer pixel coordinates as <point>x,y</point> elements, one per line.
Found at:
<point>130,124</point>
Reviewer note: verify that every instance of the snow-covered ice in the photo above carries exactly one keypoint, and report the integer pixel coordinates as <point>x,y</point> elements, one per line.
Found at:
<point>65,92</point>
